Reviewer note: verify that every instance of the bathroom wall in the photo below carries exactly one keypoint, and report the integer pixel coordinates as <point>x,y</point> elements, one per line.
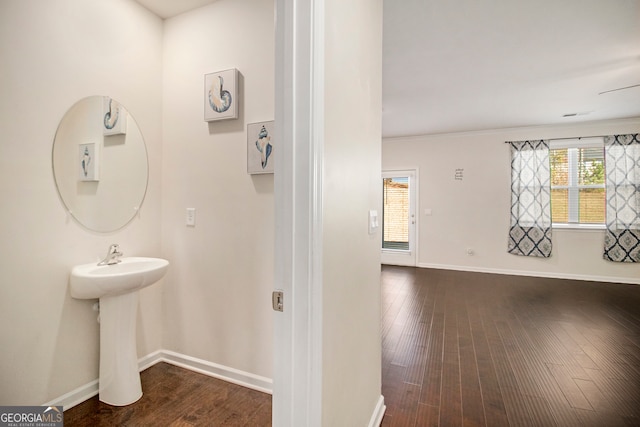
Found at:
<point>52,53</point>
<point>218,291</point>
<point>474,212</point>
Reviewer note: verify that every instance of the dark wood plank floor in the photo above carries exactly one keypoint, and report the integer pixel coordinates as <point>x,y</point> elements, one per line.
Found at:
<point>178,397</point>
<point>479,349</point>
<point>459,348</point>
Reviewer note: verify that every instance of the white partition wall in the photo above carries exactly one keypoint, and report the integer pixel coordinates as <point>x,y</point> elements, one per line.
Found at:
<point>328,67</point>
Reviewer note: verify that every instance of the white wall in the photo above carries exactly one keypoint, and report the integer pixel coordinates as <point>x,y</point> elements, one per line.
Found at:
<point>218,292</point>
<point>52,53</point>
<point>352,186</point>
<point>474,213</point>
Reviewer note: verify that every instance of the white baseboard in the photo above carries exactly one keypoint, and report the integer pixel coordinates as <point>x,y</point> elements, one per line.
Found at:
<point>626,280</point>
<point>225,373</point>
<point>75,397</point>
<point>378,413</point>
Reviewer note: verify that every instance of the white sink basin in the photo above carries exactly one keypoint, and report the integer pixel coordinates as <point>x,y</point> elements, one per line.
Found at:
<point>90,281</point>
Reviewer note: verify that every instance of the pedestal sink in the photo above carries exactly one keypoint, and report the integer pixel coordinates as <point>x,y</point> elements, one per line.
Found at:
<point>117,286</point>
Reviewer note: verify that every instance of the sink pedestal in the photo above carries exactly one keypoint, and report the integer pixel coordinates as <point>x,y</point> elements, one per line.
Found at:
<point>117,286</point>
<point>119,382</point>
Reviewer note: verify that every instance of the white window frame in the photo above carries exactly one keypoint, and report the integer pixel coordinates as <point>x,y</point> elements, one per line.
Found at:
<point>572,144</point>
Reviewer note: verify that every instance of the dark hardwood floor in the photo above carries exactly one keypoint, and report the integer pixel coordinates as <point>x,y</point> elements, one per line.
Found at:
<point>479,349</point>
<point>178,397</point>
<point>458,349</point>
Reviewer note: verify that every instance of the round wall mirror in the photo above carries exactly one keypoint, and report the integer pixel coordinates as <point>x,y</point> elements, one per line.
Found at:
<point>100,164</point>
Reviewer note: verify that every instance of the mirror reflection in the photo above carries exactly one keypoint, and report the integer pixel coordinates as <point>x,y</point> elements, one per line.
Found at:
<point>100,164</point>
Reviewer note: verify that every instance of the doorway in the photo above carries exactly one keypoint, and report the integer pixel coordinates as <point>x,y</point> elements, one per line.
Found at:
<point>399,190</point>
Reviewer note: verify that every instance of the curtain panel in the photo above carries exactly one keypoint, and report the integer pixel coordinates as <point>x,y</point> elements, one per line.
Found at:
<point>622,180</point>
<point>530,227</point>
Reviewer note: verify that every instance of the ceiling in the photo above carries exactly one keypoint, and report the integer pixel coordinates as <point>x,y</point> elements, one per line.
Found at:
<point>461,65</point>
<point>465,65</point>
<point>169,8</point>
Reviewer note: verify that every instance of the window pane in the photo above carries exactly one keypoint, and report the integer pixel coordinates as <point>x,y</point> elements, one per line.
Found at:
<point>560,205</point>
<point>590,166</point>
<point>592,206</point>
<point>559,167</point>
<point>395,213</point>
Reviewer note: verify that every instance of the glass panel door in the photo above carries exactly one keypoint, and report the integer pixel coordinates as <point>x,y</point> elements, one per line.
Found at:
<point>395,209</point>
<point>398,217</point>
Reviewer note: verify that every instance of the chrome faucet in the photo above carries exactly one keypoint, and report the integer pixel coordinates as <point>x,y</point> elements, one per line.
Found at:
<point>113,255</point>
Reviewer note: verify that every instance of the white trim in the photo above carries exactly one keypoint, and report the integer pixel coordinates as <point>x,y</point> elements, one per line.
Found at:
<point>593,142</point>
<point>221,372</point>
<point>285,58</point>
<point>151,359</point>
<point>76,396</point>
<point>316,199</point>
<point>583,227</point>
<point>609,279</point>
<point>378,413</point>
<point>397,251</point>
<point>299,123</point>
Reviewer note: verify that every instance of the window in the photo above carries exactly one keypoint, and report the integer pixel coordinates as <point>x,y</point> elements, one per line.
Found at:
<point>577,182</point>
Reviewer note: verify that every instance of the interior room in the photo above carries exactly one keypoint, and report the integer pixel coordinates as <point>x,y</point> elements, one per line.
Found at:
<point>477,335</point>
<point>212,311</point>
<point>221,314</point>
<point>453,83</point>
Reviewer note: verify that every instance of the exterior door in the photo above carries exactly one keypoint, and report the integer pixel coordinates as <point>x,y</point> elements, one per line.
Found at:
<point>399,217</point>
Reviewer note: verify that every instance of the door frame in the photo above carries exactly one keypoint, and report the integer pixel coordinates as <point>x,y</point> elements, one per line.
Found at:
<point>401,257</point>
<point>299,124</point>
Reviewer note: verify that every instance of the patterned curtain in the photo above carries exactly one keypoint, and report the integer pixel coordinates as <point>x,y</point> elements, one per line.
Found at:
<point>530,231</point>
<point>622,170</point>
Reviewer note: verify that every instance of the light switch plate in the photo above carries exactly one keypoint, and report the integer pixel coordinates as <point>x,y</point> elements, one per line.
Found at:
<point>191,217</point>
<point>373,221</point>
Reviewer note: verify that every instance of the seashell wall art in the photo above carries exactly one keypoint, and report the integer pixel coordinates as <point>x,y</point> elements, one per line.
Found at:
<point>221,95</point>
<point>114,117</point>
<point>260,147</point>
